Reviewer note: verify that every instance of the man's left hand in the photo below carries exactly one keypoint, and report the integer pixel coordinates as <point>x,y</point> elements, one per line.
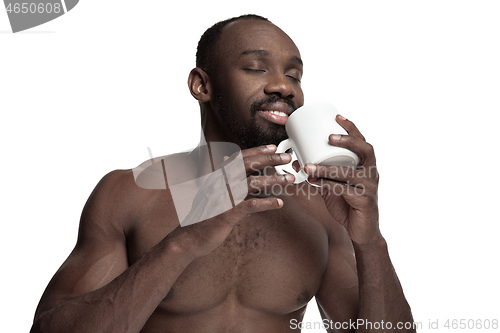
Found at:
<point>351,194</point>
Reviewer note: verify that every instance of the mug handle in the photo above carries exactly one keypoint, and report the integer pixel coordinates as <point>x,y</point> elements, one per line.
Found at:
<point>287,168</point>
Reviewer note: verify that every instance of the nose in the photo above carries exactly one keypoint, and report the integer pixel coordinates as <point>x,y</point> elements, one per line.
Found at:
<point>281,85</point>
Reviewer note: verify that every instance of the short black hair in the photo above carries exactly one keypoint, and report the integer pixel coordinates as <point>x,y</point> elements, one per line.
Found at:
<point>205,54</point>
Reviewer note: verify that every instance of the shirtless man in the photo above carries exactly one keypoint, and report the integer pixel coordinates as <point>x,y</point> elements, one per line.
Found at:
<point>252,268</point>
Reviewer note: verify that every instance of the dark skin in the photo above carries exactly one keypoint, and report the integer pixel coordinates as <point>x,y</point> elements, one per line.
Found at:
<point>251,269</point>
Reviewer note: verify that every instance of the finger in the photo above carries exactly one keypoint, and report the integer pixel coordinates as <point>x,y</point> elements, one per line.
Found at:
<point>255,205</point>
<point>251,206</point>
<point>355,177</point>
<point>349,127</point>
<point>239,168</point>
<point>340,174</point>
<point>245,208</point>
<point>255,159</point>
<point>255,163</point>
<point>362,199</point>
<point>333,186</point>
<point>267,149</point>
<point>319,175</point>
<point>257,184</point>
<point>348,191</point>
<point>363,149</point>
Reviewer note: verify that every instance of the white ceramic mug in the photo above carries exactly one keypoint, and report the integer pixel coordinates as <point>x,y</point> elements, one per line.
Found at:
<point>308,129</point>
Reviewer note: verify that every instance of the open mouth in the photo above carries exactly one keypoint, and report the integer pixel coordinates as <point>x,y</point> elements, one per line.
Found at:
<point>274,116</point>
<point>278,113</point>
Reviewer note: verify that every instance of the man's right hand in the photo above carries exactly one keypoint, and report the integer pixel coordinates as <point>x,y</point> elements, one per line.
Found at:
<point>200,238</point>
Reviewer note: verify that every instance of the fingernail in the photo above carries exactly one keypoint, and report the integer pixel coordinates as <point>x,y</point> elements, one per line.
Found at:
<point>310,168</point>
<point>335,137</point>
<point>289,178</point>
<point>285,157</point>
<point>341,117</point>
<point>270,147</point>
<point>280,202</point>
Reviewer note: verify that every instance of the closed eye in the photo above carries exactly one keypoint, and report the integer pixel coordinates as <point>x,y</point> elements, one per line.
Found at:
<point>294,78</point>
<point>254,70</point>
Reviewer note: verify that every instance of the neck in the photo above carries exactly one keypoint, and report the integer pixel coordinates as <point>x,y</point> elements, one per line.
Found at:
<point>210,153</point>
<point>214,131</point>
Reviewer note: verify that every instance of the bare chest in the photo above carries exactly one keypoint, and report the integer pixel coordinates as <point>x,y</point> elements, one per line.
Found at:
<point>271,262</point>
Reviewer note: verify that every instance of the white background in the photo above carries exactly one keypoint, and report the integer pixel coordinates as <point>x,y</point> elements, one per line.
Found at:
<point>88,92</point>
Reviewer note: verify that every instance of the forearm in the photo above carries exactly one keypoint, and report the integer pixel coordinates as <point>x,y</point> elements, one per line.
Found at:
<point>127,302</point>
<point>380,292</point>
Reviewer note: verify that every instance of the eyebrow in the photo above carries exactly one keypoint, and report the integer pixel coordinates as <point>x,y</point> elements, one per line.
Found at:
<point>297,60</point>
<point>259,52</point>
<point>268,54</point>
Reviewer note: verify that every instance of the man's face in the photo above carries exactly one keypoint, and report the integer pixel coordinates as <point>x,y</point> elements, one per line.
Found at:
<point>257,84</point>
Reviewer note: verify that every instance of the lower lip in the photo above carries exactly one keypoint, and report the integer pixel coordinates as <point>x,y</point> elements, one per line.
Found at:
<point>274,118</point>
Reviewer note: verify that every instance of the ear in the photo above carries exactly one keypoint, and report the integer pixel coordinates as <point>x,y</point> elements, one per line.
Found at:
<point>199,85</point>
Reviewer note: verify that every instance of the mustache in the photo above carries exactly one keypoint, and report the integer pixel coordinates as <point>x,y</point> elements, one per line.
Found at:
<point>256,106</point>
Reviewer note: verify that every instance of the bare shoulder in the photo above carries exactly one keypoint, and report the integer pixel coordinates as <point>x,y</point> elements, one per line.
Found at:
<point>113,206</point>
<point>113,193</point>
<point>100,253</point>
<point>106,208</point>
<point>116,201</point>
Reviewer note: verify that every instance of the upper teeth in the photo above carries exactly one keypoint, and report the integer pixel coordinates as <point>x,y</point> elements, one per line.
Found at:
<point>279,113</point>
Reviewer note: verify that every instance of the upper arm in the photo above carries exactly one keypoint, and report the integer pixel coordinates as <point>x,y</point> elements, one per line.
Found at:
<point>338,295</point>
<point>100,254</point>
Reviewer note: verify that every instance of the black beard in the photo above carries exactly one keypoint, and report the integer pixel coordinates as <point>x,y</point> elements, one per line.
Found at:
<point>252,135</point>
